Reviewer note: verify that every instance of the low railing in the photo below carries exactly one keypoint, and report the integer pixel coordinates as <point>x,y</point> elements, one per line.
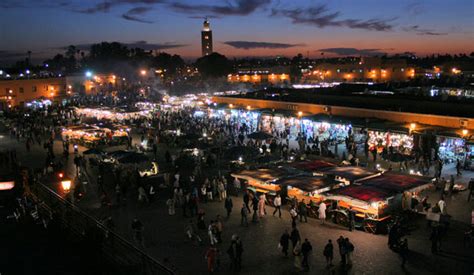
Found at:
<point>116,249</point>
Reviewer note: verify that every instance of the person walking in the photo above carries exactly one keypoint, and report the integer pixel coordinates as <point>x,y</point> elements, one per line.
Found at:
<point>342,250</point>
<point>235,251</point>
<point>285,242</point>
<point>219,227</point>
<point>322,212</point>
<point>171,206</point>
<point>244,215</point>
<point>297,255</point>
<point>458,168</point>
<point>211,232</point>
<point>277,204</point>
<point>261,206</point>
<point>247,200</point>
<point>349,250</point>
<point>404,251</point>
<point>295,236</point>
<point>221,190</point>
<point>142,197</point>
<point>228,205</point>
<point>294,216</point>
<point>306,249</point>
<point>351,217</point>
<point>303,211</point>
<point>192,232</point>
<point>329,253</point>
<point>211,256</point>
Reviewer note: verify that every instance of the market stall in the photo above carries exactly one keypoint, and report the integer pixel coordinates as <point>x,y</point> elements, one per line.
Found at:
<point>93,135</point>
<point>406,187</point>
<point>451,148</point>
<point>375,199</point>
<point>349,174</point>
<point>469,160</point>
<point>368,203</point>
<point>262,180</point>
<point>113,114</point>
<point>308,188</point>
<point>315,167</point>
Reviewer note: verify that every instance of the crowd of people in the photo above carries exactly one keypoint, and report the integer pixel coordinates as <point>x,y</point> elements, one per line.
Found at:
<point>191,187</point>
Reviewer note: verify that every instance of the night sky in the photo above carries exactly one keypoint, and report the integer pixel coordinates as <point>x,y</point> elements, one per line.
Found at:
<point>241,27</point>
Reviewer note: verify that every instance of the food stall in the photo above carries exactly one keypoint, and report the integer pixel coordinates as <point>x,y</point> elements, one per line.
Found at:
<point>375,199</point>
<point>113,114</point>
<point>92,135</point>
<point>314,167</point>
<point>404,185</point>
<point>307,188</point>
<point>368,203</point>
<point>262,181</point>
<point>349,174</point>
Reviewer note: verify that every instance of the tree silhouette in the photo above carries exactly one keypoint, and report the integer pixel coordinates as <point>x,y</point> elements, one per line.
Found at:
<point>214,65</point>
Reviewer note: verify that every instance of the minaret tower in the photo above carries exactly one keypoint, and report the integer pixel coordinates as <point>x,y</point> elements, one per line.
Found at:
<point>206,38</point>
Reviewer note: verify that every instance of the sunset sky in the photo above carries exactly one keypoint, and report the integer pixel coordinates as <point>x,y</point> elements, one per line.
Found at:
<point>240,27</point>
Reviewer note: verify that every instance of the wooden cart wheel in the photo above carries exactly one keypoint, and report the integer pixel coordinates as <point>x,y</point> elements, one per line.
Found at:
<point>342,219</point>
<point>370,226</point>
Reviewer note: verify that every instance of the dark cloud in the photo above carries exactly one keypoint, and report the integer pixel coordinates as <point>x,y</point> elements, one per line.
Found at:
<point>106,6</point>
<point>238,7</point>
<point>353,51</point>
<point>421,31</point>
<point>321,17</point>
<point>137,44</point>
<point>203,17</point>
<point>100,7</point>
<point>133,13</point>
<point>254,45</point>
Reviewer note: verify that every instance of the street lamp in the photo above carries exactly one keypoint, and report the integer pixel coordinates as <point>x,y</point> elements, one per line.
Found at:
<point>66,185</point>
<point>412,126</point>
<point>143,72</point>
<point>231,105</point>
<point>248,107</point>
<point>465,132</point>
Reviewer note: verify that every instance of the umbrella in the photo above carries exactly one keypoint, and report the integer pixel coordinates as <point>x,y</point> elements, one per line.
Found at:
<point>133,158</point>
<point>259,135</point>
<point>93,151</point>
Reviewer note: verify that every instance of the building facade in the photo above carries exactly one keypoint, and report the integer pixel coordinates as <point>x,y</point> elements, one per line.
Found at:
<point>371,69</point>
<point>206,38</point>
<point>18,92</point>
<point>275,76</point>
